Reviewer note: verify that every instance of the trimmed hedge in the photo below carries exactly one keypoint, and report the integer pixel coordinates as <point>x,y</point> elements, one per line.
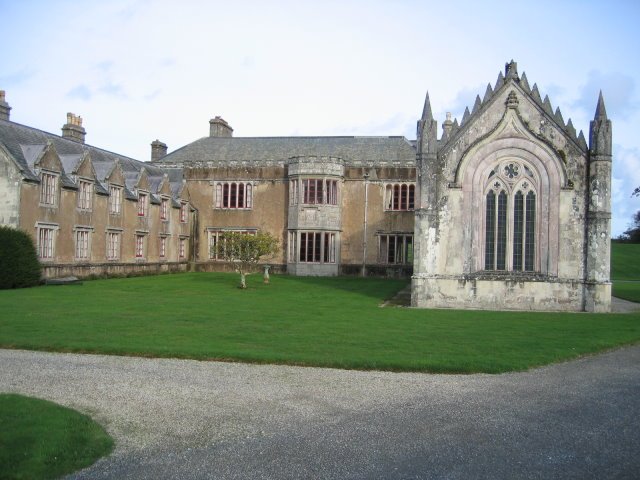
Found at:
<point>19,264</point>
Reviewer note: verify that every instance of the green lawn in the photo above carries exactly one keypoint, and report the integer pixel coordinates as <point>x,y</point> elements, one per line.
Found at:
<point>625,261</point>
<point>334,322</point>
<point>40,440</point>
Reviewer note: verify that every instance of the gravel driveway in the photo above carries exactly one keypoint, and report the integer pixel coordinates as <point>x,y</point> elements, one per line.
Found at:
<point>181,419</point>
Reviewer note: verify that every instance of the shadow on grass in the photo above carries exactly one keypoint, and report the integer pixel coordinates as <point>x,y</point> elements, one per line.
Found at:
<point>380,289</point>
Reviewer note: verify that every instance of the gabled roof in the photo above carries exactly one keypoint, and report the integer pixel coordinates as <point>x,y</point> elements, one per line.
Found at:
<point>511,79</point>
<point>27,144</point>
<point>276,151</point>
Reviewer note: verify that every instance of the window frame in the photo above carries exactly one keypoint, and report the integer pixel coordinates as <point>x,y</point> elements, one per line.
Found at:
<point>233,195</point>
<point>113,248</point>
<point>85,194</point>
<point>313,246</point>
<point>182,248</point>
<point>115,199</point>
<point>395,248</point>
<point>213,234</point>
<point>509,225</point>
<point>82,243</point>
<point>399,196</point>
<point>46,241</point>
<point>49,182</point>
<point>140,245</point>
<point>164,209</point>
<point>184,212</point>
<point>143,204</point>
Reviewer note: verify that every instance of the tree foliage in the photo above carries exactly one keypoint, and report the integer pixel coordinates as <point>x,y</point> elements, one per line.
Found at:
<point>19,264</point>
<point>245,251</point>
<point>632,234</point>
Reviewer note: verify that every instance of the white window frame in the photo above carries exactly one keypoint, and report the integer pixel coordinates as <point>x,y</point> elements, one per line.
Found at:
<point>327,242</point>
<point>182,248</point>
<point>140,245</point>
<point>114,242</point>
<point>143,204</point>
<point>85,194</point>
<point>82,243</point>
<point>49,188</point>
<point>164,209</point>
<point>46,241</point>
<point>115,199</point>
<point>184,212</point>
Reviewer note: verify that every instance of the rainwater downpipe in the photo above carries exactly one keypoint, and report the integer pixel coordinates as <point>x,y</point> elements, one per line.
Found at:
<point>364,230</point>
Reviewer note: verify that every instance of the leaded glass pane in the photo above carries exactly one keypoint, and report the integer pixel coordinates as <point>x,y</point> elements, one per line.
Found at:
<point>501,231</point>
<point>490,228</point>
<point>518,230</point>
<point>530,237</point>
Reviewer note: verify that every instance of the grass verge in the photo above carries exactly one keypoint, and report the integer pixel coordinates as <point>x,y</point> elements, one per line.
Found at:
<point>332,322</point>
<point>625,261</point>
<point>41,440</point>
<point>627,290</point>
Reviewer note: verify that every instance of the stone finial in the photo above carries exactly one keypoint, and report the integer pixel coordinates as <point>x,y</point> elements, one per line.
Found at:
<point>524,82</point>
<point>73,129</point>
<point>558,117</point>
<point>546,105</point>
<point>512,100</point>
<point>426,110</point>
<point>218,127</point>
<point>488,93</point>
<point>158,150</point>
<point>465,116</point>
<point>535,93</point>
<point>4,107</point>
<point>601,112</point>
<point>447,125</point>
<point>511,70</point>
<point>600,145</point>
<point>499,82</point>
<point>477,105</point>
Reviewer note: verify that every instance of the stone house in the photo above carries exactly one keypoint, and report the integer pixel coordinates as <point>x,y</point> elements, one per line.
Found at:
<point>508,209</point>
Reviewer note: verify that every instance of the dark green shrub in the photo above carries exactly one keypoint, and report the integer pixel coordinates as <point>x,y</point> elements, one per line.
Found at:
<point>19,264</point>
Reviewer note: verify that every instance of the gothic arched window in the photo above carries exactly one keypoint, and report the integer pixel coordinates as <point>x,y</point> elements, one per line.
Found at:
<point>510,218</point>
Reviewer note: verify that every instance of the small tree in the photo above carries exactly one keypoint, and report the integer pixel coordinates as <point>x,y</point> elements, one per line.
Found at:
<point>19,264</point>
<point>245,251</point>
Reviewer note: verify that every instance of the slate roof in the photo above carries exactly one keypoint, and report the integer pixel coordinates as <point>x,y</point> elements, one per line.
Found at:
<point>276,151</point>
<point>25,144</point>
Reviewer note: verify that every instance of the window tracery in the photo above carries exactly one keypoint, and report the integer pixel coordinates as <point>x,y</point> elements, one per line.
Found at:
<point>510,198</point>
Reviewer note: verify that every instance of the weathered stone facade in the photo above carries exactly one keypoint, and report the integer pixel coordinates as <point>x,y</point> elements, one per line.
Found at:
<point>510,209</point>
<point>514,207</point>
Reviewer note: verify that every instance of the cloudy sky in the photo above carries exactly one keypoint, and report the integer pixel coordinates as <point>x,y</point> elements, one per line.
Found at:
<point>137,70</point>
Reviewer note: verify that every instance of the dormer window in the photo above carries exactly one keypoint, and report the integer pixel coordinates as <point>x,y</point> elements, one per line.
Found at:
<point>48,189</point>
<point>115,200</point>
<point>164,209</point>
<point>184,212</point>
<point>85,194</point>
<point>143,203</point>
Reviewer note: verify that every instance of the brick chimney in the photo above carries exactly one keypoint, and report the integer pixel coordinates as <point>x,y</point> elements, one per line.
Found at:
<point>219,128</point>
<point>4,107</point>
<point>158,150</point>
<point>73,129</point>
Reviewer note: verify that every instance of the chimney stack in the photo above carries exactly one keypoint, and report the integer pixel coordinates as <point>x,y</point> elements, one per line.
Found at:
<point>4,107</point>
<point>158,150</point>
<point>219,128</point>
<point>73,129</point>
